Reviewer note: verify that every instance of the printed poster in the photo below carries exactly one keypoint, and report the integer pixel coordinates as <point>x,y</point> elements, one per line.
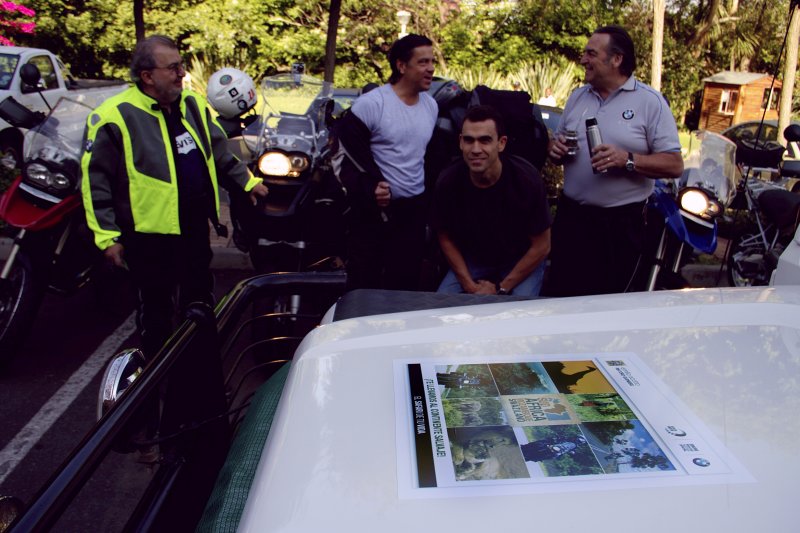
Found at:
<point>528,424</point>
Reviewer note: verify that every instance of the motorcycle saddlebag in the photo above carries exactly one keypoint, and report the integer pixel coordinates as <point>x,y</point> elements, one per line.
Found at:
<point>750,154</point>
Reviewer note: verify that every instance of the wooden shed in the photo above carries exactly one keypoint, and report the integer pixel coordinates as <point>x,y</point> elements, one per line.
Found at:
<point>733,97</point>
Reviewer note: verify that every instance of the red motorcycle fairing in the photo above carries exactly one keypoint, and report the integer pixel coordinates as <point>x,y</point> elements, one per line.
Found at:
<point>22,214</point>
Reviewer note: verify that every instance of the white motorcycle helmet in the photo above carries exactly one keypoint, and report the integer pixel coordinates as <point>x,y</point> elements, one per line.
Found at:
<point>231,92</point>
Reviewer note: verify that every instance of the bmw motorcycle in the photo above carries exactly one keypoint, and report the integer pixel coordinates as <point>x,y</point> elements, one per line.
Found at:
<point>683,214</point>
<point>771,213</point>
<point>42,209</point>
<point>301,221</point>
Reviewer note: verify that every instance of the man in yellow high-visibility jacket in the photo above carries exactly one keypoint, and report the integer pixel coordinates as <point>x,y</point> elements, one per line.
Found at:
<point>151,166</point>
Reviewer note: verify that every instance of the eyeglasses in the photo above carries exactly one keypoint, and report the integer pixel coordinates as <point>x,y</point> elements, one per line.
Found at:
<point>176,68</point>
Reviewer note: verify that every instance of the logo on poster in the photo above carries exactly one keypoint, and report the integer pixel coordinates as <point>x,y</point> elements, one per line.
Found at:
<point>675,431</point>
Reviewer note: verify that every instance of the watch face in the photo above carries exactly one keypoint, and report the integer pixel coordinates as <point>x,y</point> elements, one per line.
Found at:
<point>629,163</point>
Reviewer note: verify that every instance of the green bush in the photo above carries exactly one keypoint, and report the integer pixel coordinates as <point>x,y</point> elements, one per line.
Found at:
<point>553,177</point>
<point>561,77</point>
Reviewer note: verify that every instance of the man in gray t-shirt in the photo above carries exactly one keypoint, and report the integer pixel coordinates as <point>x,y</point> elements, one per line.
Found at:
<point>400,133</point>
<point>599,224</point>
<point>385,136</point>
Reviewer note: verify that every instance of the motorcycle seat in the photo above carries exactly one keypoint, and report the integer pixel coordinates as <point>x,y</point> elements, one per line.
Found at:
<point>781,207</point>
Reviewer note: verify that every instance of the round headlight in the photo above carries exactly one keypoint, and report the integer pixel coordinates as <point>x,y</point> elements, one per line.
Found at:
<point>694,201</point>
<point>299,163</point>
<point>59,181</point>
<point>699,202</point>
<point>37,174</point>
<point>274,164</point>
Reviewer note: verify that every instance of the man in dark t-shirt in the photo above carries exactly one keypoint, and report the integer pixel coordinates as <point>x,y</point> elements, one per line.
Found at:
<point>491,214</point>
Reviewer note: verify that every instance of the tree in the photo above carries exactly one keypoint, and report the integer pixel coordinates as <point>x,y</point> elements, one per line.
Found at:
<point>506,40</point>
<point>659,6</point>
<point>138,19</point>
<point>330,43</point>
<point>649,461</point>
<point>94,37</point>
<point>789,69</point>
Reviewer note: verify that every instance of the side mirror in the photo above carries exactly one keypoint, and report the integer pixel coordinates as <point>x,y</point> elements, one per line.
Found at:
<point>792,133</point>
<point>10,509</point>
<point>30,75</point>
<point>120,373</point>
<point>31,81</point>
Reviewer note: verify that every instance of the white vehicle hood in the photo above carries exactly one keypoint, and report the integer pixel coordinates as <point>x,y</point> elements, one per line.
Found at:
<point>731,357</point>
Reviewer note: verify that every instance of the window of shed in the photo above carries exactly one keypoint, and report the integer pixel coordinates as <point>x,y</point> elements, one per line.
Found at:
<point>771,98</point>
<point>728,101</point>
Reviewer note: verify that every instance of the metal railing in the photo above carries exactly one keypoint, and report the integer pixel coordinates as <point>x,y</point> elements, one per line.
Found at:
<point>187,376</point>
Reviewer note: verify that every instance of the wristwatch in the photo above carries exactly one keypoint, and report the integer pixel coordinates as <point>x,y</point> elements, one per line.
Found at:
<point>630,166</point>
<point>501,290</point>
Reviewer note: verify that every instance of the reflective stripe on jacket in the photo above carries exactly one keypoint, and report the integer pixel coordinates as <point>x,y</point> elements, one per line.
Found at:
<point>128,166</point>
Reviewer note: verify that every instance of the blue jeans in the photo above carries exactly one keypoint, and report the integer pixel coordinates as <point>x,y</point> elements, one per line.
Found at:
<point>530,286</point>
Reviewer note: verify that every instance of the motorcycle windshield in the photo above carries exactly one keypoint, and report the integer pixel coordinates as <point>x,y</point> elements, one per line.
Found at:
<point>710,164</point>
<point>57,142</point>
<point>293,116</point>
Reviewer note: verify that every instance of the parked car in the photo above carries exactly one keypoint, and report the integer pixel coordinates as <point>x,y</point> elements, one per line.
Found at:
<point>769,132</point>
<point>55,82</point>
<point>551,116</point>
<point>782,171</point>
<point>344,98</point>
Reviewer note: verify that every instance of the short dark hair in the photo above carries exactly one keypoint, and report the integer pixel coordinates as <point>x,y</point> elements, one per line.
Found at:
<point>620,42</point>
<point>480,113</point>
<point>143,58</point>
<point>402,50</point>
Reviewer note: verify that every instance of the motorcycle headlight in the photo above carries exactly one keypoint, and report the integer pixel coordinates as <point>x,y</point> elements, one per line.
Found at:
<point>700,203</point>
<point>280,164</point>
<point>42,176</point>
<point>299,163</point>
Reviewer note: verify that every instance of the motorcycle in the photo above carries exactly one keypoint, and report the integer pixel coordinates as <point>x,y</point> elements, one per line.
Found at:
<point>761,158</point>
<point>686,211</point>
<point>788,270</point>
<point>301,221</point>
<point>53,248</point>
<point>772,214</point>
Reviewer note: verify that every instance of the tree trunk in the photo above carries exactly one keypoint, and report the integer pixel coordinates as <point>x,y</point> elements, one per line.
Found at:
<point>330,43</point>
<point>789,69</point>
<point>733,7</point>
<point>710,19</point>
<point>138,19</point>
<point>658,42</point>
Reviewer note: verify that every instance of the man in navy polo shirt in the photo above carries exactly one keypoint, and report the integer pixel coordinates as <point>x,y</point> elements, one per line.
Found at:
<point>599,226</point>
